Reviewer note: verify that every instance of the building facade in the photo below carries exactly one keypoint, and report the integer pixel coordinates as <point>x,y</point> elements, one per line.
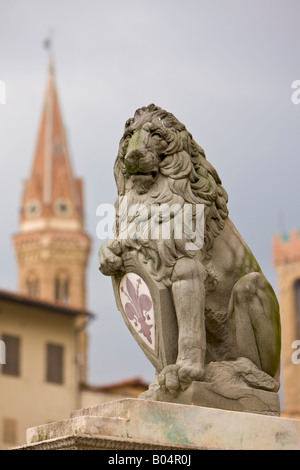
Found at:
<point>43,337</point>
<point>39,364</point>
<point>286,258</point>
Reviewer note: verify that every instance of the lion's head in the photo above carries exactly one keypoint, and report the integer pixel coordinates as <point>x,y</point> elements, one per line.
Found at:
<point>155,144</point>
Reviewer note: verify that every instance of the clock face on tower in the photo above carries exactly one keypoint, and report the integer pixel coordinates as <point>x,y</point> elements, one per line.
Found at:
<point>33,208</point>
<point>63,207</point>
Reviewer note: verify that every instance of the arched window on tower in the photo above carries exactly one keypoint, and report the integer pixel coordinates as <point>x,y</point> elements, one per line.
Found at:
<point>32,285</point>
<point>62,287</point>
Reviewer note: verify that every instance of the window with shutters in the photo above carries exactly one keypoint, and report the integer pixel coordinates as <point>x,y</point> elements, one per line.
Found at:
<point>12,353</point>
<point>54,365</point>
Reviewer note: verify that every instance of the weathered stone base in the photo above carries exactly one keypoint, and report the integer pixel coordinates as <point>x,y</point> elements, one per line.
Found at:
<point>88,442</point>
<point>135,424</point>
<point>226,397</point>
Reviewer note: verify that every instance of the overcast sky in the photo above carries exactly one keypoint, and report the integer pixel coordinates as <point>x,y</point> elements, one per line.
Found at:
<point>222,67</point>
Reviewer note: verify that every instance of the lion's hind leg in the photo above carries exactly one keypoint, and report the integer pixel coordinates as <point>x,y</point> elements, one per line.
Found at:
<point>255,320</point>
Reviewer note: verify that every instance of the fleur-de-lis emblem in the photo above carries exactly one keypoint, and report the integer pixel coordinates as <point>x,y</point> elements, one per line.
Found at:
<point>137,308</point>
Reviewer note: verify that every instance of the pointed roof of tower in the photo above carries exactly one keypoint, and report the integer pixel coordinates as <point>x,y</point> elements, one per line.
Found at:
<point>52,194</point>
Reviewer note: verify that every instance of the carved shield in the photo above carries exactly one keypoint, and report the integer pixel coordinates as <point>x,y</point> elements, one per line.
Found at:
<point>147,309</point>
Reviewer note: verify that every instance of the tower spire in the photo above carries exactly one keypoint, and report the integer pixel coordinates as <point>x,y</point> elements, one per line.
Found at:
<point>49,133</point>
<point>52,215</point>
<point>52,247</point>
<point>51,66</point>
<point>52,192</point>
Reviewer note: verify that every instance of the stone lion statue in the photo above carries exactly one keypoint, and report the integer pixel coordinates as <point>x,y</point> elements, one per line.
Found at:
<point>227,313</point>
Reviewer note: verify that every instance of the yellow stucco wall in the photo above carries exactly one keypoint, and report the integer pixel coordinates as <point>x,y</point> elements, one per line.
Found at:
<point>28,398</point>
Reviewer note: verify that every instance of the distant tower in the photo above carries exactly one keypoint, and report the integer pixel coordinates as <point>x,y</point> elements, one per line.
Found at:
<point>286,258</point>
<point>52,247</point>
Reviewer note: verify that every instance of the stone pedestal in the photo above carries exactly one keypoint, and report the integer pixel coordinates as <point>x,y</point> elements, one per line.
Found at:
<point>135,424</point>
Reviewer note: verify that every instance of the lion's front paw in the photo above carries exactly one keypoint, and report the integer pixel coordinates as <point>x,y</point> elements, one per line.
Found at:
<point>188,374</point>
<point>176,377</point>
<point>110,259</point>
<point>168,379</point>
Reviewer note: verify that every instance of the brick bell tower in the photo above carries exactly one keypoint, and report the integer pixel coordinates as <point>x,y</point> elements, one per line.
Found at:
<point>52,247</point>
<point>286,258</point>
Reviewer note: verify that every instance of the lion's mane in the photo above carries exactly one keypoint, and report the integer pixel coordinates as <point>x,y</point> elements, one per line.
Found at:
<point>190,175</point>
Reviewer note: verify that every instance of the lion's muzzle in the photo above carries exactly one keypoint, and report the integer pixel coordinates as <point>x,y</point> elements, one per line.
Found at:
<point>140,160</point>
<point>143,169</point>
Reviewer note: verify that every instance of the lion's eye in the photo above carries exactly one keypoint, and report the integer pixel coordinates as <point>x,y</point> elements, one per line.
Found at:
<point>156,135</point>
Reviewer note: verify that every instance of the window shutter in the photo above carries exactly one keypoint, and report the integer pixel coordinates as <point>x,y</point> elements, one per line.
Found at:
<point>54,373</point>
<point>12,347</point>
